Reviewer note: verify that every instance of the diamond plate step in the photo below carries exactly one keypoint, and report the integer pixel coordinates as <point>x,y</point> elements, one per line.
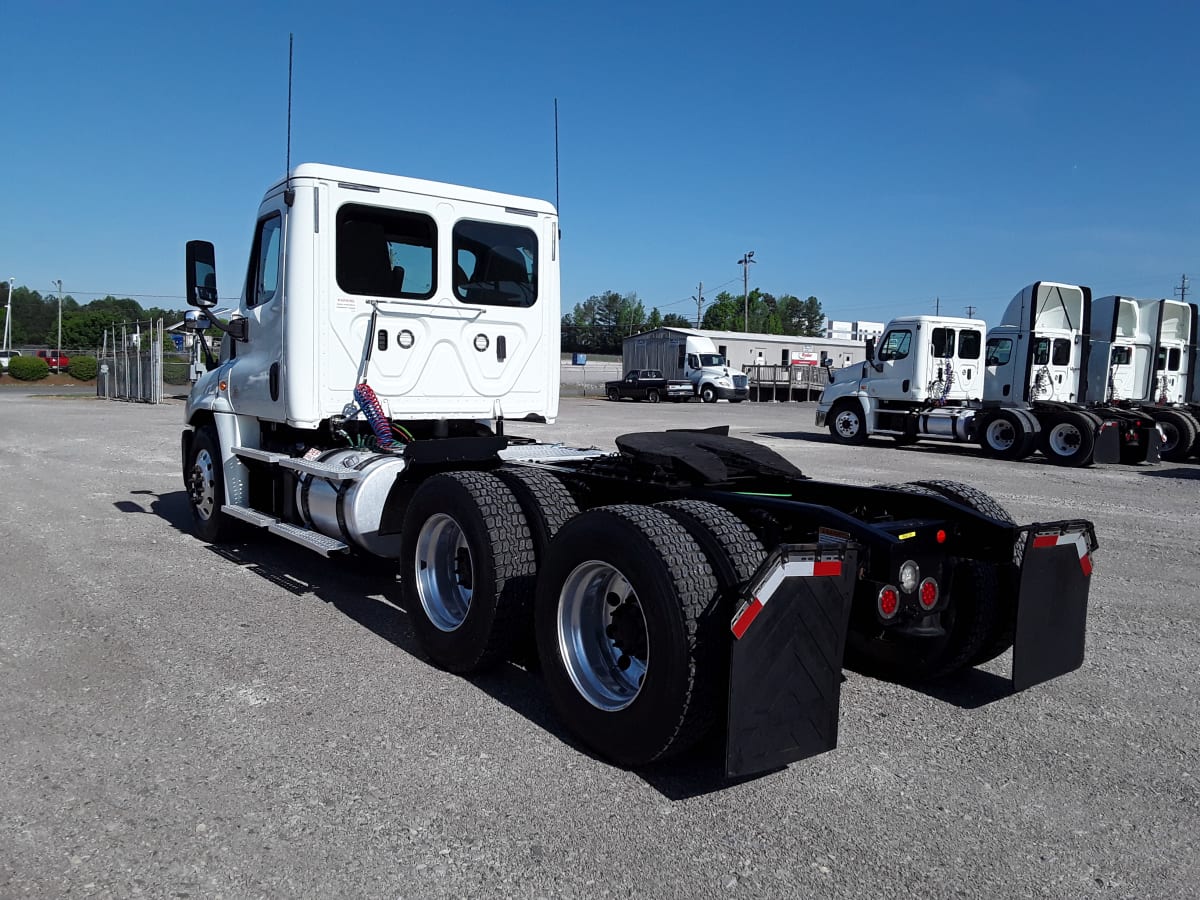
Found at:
<point>253,516</point>
<point>313,540</point>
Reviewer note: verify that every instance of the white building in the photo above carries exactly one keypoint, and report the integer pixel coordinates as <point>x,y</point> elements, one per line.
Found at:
<point>853,331</point>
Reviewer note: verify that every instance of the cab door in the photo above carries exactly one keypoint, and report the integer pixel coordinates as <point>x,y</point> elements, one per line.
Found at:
<point>891,375</point>
<point>255,378</point>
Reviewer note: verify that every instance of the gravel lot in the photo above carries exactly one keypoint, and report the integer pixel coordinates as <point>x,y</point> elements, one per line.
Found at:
<point>255,721</point>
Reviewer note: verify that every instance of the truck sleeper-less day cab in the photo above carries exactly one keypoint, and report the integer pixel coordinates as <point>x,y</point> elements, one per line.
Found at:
<point>390,331</point>
<point>1143,352</point>
<point>1023,389</point>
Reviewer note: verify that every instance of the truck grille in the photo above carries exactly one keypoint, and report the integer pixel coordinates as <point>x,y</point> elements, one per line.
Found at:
<point>739,381</point>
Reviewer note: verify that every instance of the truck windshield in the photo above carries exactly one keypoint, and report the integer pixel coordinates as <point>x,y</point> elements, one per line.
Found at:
<point>711,359</point>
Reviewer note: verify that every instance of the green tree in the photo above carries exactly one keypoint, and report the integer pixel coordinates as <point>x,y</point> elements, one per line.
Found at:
<point>811,318</point>
<point>675,320</point>
<point>724,313</point>
<point>654,320</point>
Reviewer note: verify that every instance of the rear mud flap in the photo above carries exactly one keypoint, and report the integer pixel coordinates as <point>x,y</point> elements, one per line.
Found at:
<point>785,672</point>
<point>1108,445</point>
<point>1052,607</point>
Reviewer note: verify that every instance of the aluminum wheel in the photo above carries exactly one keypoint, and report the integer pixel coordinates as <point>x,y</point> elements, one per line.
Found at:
<point>1064,439</point>
<point>202,485</point>
<point>444,572</point>
<point>848,423</point>
<point>602,636</point>
<point>1001,435</point>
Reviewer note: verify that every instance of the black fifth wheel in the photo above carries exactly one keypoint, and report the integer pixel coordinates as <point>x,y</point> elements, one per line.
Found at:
<point>630,657</point>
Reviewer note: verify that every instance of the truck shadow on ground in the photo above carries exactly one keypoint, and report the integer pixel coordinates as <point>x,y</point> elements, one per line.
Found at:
<point>1184,472</point>
<point>366,591</point>
<point>970,689</point>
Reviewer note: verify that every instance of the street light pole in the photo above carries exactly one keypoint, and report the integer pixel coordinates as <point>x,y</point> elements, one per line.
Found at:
<point>745,262</point>
<point>58,346</point>
<point>8,317</point>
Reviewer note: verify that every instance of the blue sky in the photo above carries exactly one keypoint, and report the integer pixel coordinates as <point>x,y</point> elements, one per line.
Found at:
<point>876,155</point>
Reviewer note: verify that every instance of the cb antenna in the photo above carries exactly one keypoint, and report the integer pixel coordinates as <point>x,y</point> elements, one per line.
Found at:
<point>557,205</point>
<point>288,165</point>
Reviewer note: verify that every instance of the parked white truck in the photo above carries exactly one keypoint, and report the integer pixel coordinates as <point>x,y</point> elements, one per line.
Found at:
<point>934,377</point>
<point>390,330</point>
<point>688,355</point>
<point>1142,354</point>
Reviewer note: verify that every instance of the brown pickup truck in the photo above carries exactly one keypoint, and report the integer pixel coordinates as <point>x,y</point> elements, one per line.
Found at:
<point>648,384</point>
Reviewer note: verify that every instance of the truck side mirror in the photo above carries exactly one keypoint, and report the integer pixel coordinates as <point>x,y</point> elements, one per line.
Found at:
<point>201,274</point>
<point>870,349</point>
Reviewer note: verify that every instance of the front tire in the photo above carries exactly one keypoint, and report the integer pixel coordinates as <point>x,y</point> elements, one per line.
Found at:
<point>708,394</point>
<point>614,394</point>
<point>847,423</point>
<point>467,567</point>
<point>204,478</point>
<point>629,649</point>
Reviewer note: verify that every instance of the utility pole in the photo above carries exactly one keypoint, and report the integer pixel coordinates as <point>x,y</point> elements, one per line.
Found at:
<point>745,262</point>
<point>58,346</point>
<point>1182,289</point>
<point>937,306</point>
<point>970,312</point>
<point>699,298</point>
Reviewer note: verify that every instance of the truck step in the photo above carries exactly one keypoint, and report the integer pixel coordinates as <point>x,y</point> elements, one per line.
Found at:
<point>253,516</point>
<point>313,540</point>
<point>307,466</point>
<point>545,453</point>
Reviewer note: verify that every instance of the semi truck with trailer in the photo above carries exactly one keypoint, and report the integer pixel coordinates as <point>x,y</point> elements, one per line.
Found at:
<point>1025,389</point>
<point>692,356</point>
<point>1142,354</point>
<point>392,335</point>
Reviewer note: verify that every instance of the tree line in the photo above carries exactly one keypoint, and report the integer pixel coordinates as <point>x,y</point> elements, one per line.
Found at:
<point>601,322</point>
<point>35,318</point>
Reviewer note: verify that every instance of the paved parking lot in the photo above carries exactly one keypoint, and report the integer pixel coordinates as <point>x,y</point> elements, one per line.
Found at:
<point>255,721</point>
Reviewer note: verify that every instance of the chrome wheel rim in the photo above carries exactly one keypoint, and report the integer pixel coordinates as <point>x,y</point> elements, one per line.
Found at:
<point>1168,437</point>
<point>202,485</point>
<point>445,572</point>
<point>602,636</point>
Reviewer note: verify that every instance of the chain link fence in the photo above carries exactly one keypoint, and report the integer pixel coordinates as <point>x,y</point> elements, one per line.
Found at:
<point>130,362</point>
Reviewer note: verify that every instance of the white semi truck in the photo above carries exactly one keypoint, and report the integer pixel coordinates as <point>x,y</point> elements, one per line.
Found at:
<point>1024,389</point>
<point>681,354</point>
<point>389,333</point>
<point>1142,356</point>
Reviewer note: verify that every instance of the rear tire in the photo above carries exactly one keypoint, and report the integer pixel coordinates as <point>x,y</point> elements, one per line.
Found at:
<point>630,650</point>
<point>1000,636</point>
<point>1069,439</point>
<point>1005,436</point>
<point>652,395</point>
<point>466,569</point>
<point>1179,433</point>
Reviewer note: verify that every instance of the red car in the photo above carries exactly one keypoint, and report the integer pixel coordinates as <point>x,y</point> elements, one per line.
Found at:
<point>55,359</point>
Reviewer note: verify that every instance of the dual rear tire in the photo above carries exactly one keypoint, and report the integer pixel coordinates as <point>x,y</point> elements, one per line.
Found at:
<point>621,600</point>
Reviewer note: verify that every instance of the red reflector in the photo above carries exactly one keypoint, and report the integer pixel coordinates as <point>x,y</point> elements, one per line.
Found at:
<point>929,593</point>
<point>941,536</point>
<point>889,602</point>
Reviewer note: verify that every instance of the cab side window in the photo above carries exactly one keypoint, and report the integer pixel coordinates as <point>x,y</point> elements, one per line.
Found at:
<point>495,264</point>
<point>262,279</point>
<point>1062,352</point>
<point>386,252</point>
<point>943,342</point>
<point>895,345</point>
<point>999,351</point>
<point>1041,351</point>
<point>969,341</point>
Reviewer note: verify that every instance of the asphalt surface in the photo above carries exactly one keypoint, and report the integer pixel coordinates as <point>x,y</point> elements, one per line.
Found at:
<point>179,720</point>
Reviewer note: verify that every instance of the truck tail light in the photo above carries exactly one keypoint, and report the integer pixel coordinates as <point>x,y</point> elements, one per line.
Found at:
<point>888,601</point>
<point>929,593</point>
